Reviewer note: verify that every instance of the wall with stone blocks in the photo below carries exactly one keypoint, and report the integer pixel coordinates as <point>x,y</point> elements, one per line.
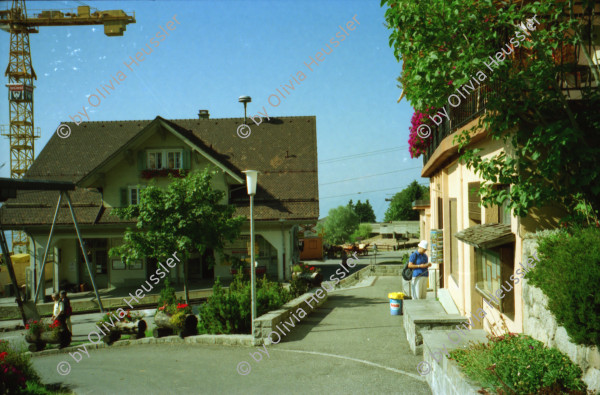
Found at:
<point>371,270</point>
<point>267,323</point>
<point>443,375</point>
<point>539,323</point>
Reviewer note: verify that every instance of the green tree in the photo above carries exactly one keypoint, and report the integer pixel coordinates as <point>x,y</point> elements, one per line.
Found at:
<point>400,208</point>
<point>553,143</point>
<point>363,232</point>
<point>364,211</point>
<point>185,217</point>
<point>341,222</point>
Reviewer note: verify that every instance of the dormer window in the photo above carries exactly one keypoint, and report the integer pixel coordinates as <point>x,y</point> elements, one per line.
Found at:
<point>164,159</point>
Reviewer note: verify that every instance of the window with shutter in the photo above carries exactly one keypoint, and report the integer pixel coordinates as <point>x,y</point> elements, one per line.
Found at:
<point>124,199</point>
<point>474,209</point>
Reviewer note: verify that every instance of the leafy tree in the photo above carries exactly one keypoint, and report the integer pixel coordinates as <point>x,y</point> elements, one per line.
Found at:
<point>552,142</point>
<point>364,211</point>
<point>363,232</point>
<point>341,222</point>
<point>185,217</point>
<point>400,208</point>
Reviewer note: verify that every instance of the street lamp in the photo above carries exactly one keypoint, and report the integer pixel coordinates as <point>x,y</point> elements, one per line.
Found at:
<point>246,100</point>
<point>251,179</point>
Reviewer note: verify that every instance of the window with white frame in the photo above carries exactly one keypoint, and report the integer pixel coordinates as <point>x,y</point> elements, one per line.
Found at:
<point>173,159</point>
<point>165,159</point>
<point>133,194</point>
<point>155,159</point>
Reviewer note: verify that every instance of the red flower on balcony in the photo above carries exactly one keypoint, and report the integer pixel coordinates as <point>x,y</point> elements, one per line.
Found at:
<point>418,144</point>
<point>182,305</point>
<point>152,173</point>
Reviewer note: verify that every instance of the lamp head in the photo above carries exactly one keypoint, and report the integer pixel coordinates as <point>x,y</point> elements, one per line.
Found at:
<point>251,181</point>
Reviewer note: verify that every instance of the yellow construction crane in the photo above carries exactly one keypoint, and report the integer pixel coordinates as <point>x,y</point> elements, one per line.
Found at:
<point>21,74</point>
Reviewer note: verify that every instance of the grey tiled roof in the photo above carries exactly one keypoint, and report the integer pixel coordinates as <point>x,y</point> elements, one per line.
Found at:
<point>487,235</point>
<point>283,149</point>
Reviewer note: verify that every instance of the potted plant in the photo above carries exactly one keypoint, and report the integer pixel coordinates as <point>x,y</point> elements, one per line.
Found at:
<point>40,333</point>
<point>173,316</point>
<point>34,329</point>
<point>176,319</point>
<point>310,274</point>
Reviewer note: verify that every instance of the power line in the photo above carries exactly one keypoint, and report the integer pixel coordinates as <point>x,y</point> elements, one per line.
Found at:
<point>372,175</point>
<point>358,193</point>
<point>341,158</point>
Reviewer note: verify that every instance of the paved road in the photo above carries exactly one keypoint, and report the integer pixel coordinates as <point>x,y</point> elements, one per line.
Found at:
<point>350,345</point>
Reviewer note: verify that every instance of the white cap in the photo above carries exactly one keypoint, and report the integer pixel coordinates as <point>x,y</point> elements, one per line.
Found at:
<point>423,244</point>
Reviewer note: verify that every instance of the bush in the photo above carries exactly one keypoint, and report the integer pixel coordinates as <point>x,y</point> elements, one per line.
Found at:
<point>568,272</point>
<point>229,311</point>
<point>15,370</point>
<point>518,364</point>
<point>298,287</point>
<point>363,232</point>
<point>167,294</point>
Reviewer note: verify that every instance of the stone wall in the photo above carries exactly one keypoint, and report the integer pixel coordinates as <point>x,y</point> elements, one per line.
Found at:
<point>426,315</point>
<point>267,323</point>
<point>443,375</point>
<point>539,323</point>
<point>371,270</point>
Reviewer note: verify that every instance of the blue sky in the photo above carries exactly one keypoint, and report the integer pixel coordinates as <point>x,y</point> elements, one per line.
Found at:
<point>221,50</point>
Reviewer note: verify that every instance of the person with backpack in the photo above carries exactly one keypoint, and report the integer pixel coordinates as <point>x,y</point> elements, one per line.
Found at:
<point>419,262</point>
<point>65,311</point>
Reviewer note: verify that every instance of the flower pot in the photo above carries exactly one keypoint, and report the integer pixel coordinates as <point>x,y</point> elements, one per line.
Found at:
<point>136,328</point>
<point>165,327</point>
<point>61,336</point>
<point>35,343</point>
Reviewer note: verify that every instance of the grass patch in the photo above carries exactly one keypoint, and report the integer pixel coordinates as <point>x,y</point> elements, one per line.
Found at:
<point>33,388</point>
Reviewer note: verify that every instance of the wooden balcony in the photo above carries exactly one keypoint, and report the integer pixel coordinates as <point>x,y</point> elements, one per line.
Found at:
<point>469,108</point>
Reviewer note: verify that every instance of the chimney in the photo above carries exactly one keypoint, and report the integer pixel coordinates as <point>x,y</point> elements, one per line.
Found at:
<point>203,114</point>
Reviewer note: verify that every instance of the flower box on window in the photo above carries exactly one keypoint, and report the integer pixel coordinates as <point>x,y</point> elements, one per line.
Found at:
<point>152,173</point>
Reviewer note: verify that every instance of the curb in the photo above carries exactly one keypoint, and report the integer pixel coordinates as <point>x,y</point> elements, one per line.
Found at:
<point>227,340</point>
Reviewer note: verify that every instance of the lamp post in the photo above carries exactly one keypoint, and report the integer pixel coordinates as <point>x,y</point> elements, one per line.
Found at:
<point>251,178</point>
<point>246,100</point>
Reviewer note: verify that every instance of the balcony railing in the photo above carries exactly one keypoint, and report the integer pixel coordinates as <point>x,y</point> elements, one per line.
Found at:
<point>469,108</point>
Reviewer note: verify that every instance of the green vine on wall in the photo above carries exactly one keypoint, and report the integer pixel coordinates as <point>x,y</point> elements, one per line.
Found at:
<point>553,142</point>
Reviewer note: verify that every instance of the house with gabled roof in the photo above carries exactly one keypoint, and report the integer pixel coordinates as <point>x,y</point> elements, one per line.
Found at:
<point>110,161</point>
